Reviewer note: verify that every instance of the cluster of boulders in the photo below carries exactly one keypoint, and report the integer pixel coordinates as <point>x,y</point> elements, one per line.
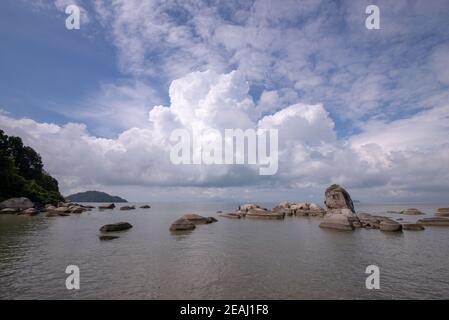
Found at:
<point>189,222</point>
<point>24,206</point>
<point>251,210</point>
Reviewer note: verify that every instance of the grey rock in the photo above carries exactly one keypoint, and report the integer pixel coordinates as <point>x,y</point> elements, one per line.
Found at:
<point>119,226</point>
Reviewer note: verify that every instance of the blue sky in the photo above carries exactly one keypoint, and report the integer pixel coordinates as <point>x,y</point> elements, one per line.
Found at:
<point>100,85</point>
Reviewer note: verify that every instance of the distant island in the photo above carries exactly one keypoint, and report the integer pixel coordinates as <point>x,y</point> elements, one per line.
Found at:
<point>94,196</point>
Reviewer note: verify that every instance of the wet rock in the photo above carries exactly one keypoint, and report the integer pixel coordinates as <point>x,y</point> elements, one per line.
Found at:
<point>104,237</point>
<point>145,207</point>
<point>232,215</point>
<point>119,226</point>
<point>182,225</point>
<point>390,225</point>
<point>412,227</point>
<point>197,219</point>
<point>442,212</point>
<point>17,203</point>
<point>434,221</point>
<point>124,208</point>
<point>108,206</point>
<point>411,211</point>
<point>259,213</point>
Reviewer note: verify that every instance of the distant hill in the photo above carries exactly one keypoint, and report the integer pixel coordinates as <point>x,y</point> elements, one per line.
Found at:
<point>93,196</point>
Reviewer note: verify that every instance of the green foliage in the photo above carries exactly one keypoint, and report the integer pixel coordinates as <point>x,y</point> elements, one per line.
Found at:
<point>22,174</point>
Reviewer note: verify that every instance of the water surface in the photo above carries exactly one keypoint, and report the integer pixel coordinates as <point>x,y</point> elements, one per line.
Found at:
<point>230,259</point>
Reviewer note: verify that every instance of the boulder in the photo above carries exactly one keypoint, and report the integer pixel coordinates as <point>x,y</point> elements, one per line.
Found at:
<point>104,237</point>
<point>247,207</point>
<point>107,206</point>
<point>119,226</point>
<point>30,212</point>
<point>337,198</point>
<point>182,225</point>
<point>411,211</point>
<point>282,210</point>
<point>434,221</point>
<point>412,227</point>
<point>197,219</point>
<point>338,222</point>
<point>77,209</point>
<point>442,212</point>
<point>17,203</point>
<point>340,214</point>
<point>259,213</point>
<point>232,215</point>
<point>145,207</point>
<point>390,225</point>
<point>128,208</point>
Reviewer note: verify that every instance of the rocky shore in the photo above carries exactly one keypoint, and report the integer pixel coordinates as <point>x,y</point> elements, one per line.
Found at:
<point>338,214</point>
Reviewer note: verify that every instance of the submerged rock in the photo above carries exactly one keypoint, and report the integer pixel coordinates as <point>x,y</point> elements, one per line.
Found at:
<point>104,237</point>
<point>182,225</point>
<point>21,203</point>
<point>119,226</point>
<point>411,211</point>
<point>127,208</point>
<point>434,221</point>
<point>412,227</point>
<point>108,206</point>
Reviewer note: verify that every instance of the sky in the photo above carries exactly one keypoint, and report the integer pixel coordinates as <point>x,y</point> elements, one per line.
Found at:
<point>367,109</point>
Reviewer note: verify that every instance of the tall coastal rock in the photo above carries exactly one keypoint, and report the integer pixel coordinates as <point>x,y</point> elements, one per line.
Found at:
<point>340,213</point>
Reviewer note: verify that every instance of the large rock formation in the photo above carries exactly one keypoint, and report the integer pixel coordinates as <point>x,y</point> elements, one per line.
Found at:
<point>17,203</point>
<point>340,214</point>
<point>337,198</point>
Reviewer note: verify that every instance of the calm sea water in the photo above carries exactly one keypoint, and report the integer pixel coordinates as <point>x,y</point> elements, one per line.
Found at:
<point>230,259</point>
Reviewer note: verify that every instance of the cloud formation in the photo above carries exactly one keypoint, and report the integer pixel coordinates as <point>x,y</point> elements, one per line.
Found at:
<point>402,157</point>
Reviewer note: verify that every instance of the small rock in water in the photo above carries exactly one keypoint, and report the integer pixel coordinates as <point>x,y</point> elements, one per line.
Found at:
<point>232,215</point>
<point>197,219</point>
<point>182,225</point>
<point>120,226</point>
<point>412,227</point>
<point>109,206</point>
<point>127,208</point>
<point>107,237</point>
<point>145,207</point>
